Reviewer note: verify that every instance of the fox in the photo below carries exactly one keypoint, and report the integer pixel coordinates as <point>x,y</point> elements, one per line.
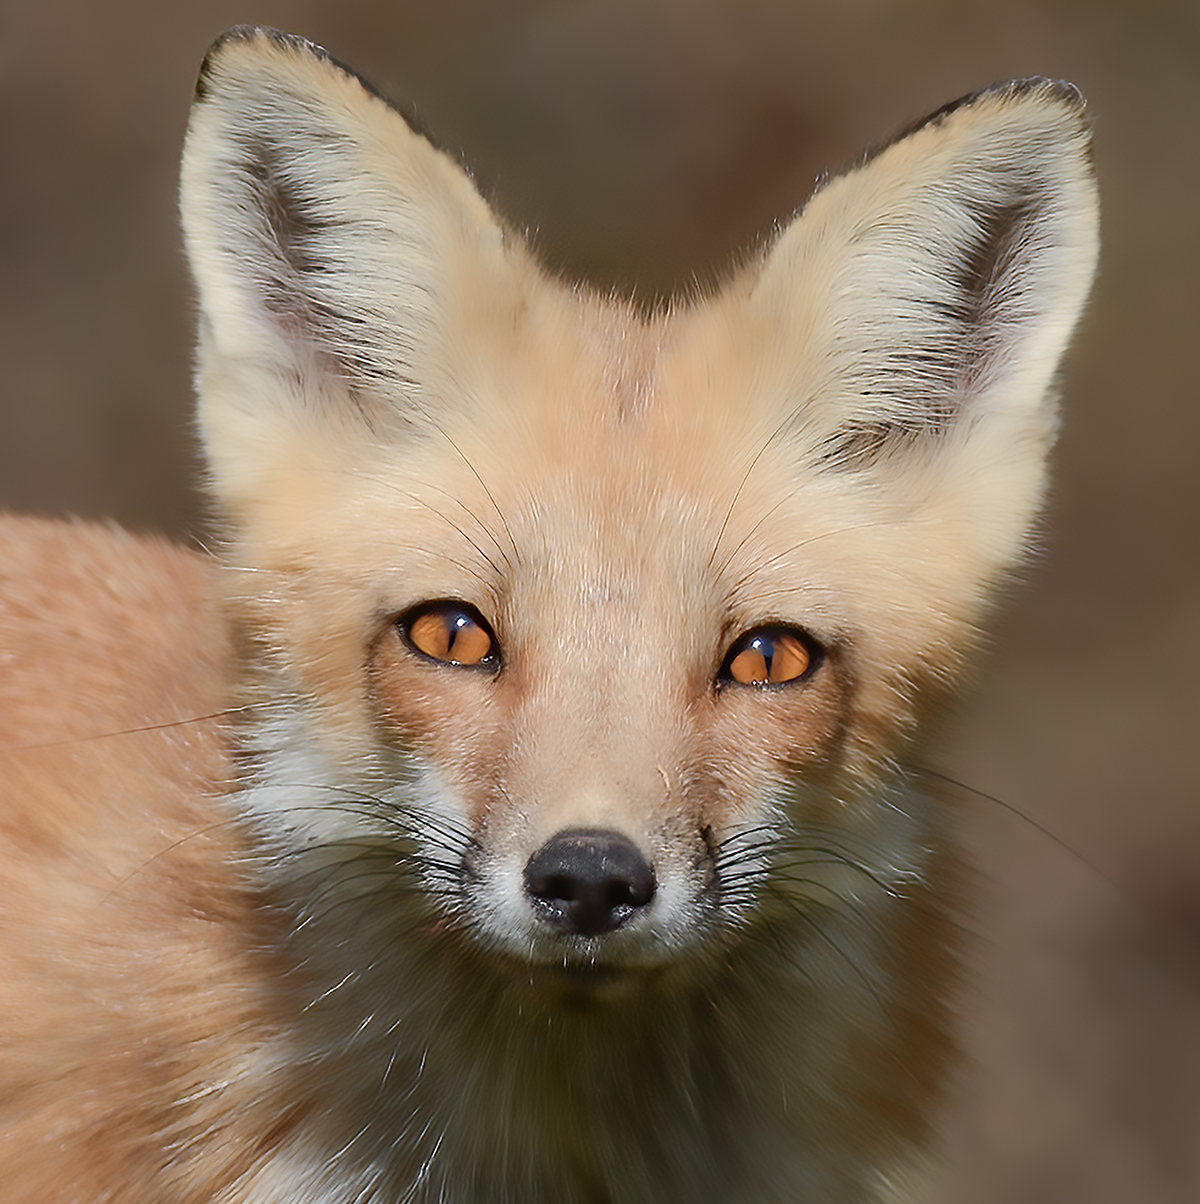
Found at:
<point>517,803</point>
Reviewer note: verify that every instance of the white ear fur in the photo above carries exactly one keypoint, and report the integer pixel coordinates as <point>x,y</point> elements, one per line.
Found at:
<point>941,280</point>
<point>330,244</point>
<point>914,313</point>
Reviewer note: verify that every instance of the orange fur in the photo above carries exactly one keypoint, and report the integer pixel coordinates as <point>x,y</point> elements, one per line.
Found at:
<point>127,928</point>
<point>301,907</point>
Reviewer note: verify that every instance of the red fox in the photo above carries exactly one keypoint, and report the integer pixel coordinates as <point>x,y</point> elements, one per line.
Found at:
<point>514,810</point>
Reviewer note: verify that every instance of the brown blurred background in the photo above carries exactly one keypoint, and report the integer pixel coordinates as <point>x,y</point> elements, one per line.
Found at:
<point>643,142</point>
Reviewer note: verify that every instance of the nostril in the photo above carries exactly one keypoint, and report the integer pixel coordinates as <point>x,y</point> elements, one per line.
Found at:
<point>588,880</point>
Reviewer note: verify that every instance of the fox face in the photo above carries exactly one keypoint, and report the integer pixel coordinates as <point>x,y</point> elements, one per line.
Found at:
<point>584,645</point>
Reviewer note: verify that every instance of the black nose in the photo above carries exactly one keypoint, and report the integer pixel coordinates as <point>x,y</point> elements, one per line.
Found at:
<point>588,880</point>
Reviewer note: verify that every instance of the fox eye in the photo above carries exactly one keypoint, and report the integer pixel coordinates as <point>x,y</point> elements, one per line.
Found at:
<point>770,656</point>
<point>453,633</point>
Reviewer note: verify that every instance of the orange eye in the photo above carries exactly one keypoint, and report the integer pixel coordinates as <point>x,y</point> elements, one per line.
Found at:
<point>450,632</point>
<point>770,656</point>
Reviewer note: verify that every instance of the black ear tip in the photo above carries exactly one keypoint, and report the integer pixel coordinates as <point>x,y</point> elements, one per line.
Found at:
<point>1038,87</point>
<point>1056,91</point>
<point>247,34</point>
<point>265,33</point>
<point>1060,90</point>
<point>269,37</point>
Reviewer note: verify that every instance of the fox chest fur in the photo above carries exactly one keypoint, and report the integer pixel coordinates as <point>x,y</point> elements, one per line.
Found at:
<point>520,796</point>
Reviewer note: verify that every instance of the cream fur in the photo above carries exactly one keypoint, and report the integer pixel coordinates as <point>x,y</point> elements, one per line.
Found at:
<point>399,406</point>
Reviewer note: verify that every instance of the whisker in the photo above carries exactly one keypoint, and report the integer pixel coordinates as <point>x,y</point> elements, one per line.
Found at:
<point>737,493</point>
<point>165,851</point>
<point>451,523</point>
<point>1039,827</point>
<point>499,513</point>
<point>166,725</point>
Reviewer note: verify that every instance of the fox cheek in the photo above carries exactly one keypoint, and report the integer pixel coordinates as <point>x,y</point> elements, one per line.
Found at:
<point>452,720</point>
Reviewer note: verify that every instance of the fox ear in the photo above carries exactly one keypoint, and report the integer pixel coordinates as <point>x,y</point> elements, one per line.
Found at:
<point>332,248</point>
<point>930,292</point>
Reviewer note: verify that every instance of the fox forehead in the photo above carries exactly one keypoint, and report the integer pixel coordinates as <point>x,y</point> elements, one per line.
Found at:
<point>593,507</point>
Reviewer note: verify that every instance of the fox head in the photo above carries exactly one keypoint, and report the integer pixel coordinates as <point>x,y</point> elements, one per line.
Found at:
<point>583,613</point>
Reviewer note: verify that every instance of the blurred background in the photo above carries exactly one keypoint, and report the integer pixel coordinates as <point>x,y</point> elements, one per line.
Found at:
<point>643,143</point>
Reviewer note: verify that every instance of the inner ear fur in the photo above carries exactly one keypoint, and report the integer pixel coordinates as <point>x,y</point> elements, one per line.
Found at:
<point>940,280</point>
<point>330,241</point>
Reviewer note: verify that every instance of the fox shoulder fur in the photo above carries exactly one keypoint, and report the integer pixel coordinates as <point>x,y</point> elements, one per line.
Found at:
<point>515,810</point>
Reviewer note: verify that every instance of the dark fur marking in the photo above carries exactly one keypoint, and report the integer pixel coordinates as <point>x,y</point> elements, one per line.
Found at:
<point>1057,90</point>
<point>861,444</point>
<point>294,283</point>
<point>293,231</point>
<point>1053,89</point>
<point>931,384</point>
<point>298,285</point>
<point>288,213</point>
<point>297,45</point>
<point>987,274</point>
